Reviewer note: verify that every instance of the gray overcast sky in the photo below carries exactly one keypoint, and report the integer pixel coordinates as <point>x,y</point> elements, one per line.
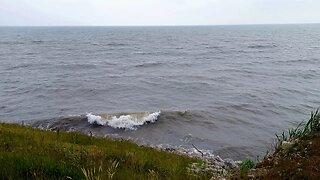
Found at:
<point>157,12</point>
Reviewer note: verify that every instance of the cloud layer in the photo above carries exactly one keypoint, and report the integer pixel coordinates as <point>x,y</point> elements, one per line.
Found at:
<point>157,12</point>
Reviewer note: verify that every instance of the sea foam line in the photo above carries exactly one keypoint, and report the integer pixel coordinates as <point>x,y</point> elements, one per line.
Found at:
<point>124,121</point>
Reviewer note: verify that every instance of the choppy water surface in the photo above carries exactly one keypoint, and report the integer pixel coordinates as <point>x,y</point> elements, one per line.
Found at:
<point>228,89</point>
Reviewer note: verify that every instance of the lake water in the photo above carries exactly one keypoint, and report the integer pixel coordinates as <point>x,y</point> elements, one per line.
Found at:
<point>227,89</point>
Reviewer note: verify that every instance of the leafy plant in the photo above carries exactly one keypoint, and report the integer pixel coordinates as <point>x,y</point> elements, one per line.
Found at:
<point>246,165</point>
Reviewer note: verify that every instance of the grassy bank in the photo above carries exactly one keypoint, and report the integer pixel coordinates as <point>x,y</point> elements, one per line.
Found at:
<point>296,155</point>
<point>27,153</point>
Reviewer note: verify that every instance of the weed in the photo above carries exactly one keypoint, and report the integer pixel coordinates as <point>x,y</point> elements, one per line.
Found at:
<point>153,175</point>
<point>93,173</point>
<point>246,165</point>
<point>312,125</point>
<point>112,169</point>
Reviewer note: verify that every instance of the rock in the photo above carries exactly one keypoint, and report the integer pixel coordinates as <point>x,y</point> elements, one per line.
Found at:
<point>230,163</point>
<point>285,145</point>
<point>170,149</point>
<point>217,158</point>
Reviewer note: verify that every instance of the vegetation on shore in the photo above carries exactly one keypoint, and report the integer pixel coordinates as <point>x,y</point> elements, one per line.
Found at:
<point>27,153</point>
<point>296,155</point>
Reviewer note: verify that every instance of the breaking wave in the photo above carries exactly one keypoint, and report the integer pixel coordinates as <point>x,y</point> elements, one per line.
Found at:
<point>129,121</point>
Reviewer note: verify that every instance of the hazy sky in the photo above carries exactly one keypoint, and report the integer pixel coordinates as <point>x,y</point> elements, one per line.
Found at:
<point>157,12</point>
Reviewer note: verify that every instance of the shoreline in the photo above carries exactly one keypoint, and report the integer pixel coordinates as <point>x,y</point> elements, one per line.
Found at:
<point>295,155</point>
<point>214,161</point>
<point>44,149</point>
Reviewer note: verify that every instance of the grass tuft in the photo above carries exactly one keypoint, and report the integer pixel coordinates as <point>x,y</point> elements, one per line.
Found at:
<point>246,165</point>
<point>112,169</point>
<point>303,128</point>
<point>92,173</point>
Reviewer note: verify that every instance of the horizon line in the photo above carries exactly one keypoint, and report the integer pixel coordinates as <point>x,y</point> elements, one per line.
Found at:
<point>169,25</point>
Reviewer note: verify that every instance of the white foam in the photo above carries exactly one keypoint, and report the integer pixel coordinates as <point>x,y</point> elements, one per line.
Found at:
<point>93,119</point>
<point>124,121</point>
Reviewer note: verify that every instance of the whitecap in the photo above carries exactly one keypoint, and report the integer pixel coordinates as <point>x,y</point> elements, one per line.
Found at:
<point>130,121</point>
<point>93,119</point>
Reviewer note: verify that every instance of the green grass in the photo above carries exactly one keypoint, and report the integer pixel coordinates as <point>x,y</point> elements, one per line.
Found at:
<point>304,128</point>
<point>246,165</point>
<point>27,153</point>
